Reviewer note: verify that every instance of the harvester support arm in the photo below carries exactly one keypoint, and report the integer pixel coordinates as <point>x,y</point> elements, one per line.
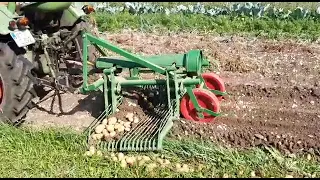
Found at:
<point>124,53</point>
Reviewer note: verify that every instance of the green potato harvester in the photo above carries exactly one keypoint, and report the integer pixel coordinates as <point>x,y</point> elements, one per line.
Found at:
<point>183,87</point>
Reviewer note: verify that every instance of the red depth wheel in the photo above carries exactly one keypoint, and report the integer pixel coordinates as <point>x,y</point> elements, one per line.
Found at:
<point>213,82</point>
<point>206,99</point>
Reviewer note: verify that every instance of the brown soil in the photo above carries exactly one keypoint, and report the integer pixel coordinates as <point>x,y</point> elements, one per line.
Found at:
<point>132,103</point>
<point>274,88</point>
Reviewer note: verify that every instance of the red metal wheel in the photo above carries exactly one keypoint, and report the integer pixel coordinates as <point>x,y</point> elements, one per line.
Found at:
<point>206,99</point>
<point>213,82</point>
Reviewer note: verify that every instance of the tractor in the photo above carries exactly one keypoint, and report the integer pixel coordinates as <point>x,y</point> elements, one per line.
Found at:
<point>40,46</point>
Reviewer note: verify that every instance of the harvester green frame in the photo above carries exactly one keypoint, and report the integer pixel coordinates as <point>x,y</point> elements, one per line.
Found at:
<point>182,73</point>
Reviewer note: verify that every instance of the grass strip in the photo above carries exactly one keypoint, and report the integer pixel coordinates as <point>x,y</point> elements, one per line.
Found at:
<point>59,153</point>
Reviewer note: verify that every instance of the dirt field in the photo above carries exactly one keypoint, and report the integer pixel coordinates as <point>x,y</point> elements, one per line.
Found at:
<point>274,91</point>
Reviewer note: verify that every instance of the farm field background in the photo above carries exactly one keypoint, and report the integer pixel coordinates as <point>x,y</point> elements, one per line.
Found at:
<point>271,70</point>
<point>271,20</point>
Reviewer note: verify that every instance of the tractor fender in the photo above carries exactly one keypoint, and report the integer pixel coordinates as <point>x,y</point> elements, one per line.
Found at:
<point>70,16</point>
<point>6,16</point>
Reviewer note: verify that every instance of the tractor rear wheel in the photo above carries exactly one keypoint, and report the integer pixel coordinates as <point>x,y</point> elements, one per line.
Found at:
<point>16,87</point>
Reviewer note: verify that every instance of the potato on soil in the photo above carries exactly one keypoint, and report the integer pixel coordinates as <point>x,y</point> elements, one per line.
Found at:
<point>92,149</point>
<point>130,161</point>
<point>112,134</point>
<point>135,120</point>
<point>200,167</point>
<point>141,162</point>
<point>121,156</point>
<point>151,166</point>
<point>127,124</point>
<point>99,128</point>
<point>97,136</point>
<point>121,122</point>
<point>99,153</point>
<point>112,121</point>
<point>117,137</point>
<point>146,158</point>
<point>178,165</point>
<point>123,163</point>
<point>114,159</point>
<point>129,116</point>
<point>127,129</point>
<point>121,129</point>
<point>104,122</point>
<point>139,158</point>
<point>166,162</point>
<point>107,138</point>
<point>185,168</point>
<point>88,153</point>
<point>160,161</point>
<point>117,126</point>
<point>105,132</point>
<point>110,128</point>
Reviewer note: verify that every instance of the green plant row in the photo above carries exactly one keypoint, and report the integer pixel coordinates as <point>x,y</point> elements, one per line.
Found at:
<point>266,27</point>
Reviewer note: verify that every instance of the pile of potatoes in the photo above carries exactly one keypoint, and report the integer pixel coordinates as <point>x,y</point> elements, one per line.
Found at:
<point>150,163</point>
<point>112,128</point>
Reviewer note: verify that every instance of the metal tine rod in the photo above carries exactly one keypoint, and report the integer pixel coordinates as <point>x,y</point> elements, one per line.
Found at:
<point>136,129</point>
<point>142,130</point>
<point>127,139</point>
<point>147,136</point>
<point>145,122</point>
<point>147,128</point>
<point>159,129</point>
<point>154,131</point>
<point>155,120</point>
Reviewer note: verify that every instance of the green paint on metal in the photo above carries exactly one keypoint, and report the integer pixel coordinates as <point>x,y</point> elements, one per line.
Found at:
<point>216,92</point>
<point>193,61</point>
<point>71,15</point>
<point>205,63</point>
<point>134,73</point>
<point>12,7</point>
<point>47,6</point>
<point>6,16</point>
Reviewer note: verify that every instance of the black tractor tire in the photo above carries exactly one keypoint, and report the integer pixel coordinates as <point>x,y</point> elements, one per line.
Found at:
<point>16,85</point>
